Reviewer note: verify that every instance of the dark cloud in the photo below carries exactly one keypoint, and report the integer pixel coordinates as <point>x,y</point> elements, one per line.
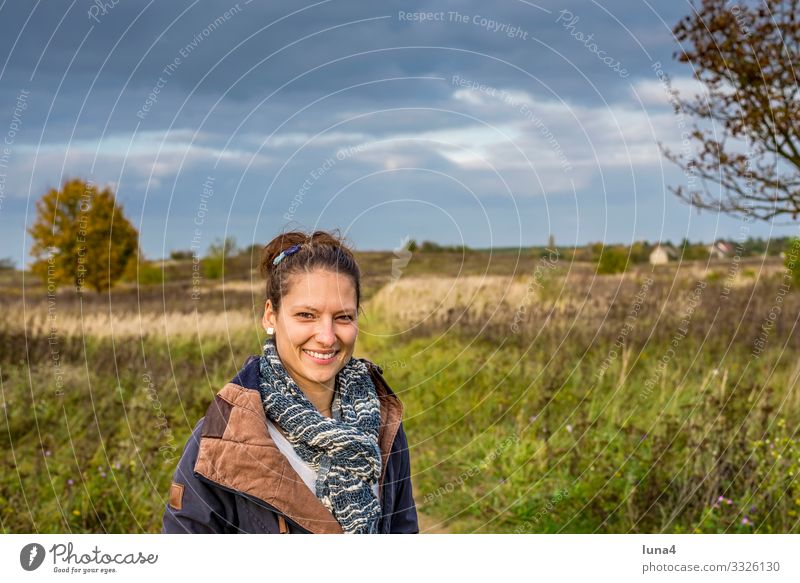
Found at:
<point>155,96</point>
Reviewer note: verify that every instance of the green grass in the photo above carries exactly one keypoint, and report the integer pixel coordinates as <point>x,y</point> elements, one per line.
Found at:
<point>508,433</point>
<point>498,435</point>
<point>99,458</point>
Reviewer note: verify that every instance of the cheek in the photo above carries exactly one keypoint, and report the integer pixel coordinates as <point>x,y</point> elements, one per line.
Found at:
<point>350,335</point>
<point>294,333</point>
<point>289,342</point>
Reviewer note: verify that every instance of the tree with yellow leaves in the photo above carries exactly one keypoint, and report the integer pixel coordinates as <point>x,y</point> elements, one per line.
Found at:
<point>81,237</point>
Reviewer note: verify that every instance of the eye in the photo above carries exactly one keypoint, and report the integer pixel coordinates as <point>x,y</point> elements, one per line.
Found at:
<point>305,315</point>
<point>346,317</point>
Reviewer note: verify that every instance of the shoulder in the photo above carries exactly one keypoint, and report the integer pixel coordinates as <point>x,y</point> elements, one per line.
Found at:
<point>247,376</point>
<point>241,391</point>
<point>236,411</point>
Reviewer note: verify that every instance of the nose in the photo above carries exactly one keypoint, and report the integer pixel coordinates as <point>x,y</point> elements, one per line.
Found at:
<point>325,333</point>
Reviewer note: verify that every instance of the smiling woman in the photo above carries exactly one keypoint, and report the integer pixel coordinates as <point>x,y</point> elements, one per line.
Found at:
<point>305,438</point>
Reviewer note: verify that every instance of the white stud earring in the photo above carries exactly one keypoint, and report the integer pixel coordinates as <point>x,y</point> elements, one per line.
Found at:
<point>270,330</point>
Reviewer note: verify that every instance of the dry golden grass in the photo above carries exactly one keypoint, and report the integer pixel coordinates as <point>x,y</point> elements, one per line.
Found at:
<point>569,291</point>
<point>575,298</point>
<point>254,286</point>
<point>125,325</point>
<point>417,298</point>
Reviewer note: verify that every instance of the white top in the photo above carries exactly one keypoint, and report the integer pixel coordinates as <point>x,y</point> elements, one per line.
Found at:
<point>306,473</point>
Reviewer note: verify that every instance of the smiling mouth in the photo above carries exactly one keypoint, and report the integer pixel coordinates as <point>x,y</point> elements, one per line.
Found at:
<point>321,356</point>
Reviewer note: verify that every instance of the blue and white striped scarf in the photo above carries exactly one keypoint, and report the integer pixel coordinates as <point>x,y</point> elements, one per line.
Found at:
<point>344,453</point>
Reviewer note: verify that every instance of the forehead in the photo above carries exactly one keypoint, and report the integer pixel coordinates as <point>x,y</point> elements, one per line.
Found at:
<point>321,289</point>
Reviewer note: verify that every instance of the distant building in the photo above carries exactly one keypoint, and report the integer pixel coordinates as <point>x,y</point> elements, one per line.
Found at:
<point>720,250</point>
<point>662,255</point>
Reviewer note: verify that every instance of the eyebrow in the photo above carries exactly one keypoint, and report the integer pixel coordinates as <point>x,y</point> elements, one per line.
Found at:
<point>313,309</point>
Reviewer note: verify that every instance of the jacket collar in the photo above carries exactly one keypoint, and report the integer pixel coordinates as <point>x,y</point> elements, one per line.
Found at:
<point>237,452</point>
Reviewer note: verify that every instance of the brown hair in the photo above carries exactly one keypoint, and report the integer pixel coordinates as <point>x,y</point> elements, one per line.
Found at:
<point>320,250</point>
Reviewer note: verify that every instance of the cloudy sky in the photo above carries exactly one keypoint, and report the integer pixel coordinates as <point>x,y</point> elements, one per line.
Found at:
<point>491,124</point>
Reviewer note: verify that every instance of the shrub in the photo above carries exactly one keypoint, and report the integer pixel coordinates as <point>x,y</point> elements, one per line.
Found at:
<point>150,274</point>
<point>791,261</point>
<point>612,261</point>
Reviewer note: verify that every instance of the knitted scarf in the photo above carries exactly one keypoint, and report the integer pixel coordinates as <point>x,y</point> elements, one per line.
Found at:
<point>345,452</point>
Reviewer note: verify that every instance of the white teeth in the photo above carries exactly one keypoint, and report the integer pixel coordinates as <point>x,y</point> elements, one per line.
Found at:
<point>320,355</point>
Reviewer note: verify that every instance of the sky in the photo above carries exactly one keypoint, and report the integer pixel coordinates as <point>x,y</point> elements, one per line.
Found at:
<point>484,124</point>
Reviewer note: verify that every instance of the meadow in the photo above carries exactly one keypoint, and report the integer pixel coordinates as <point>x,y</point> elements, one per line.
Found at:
<point>539,396</point>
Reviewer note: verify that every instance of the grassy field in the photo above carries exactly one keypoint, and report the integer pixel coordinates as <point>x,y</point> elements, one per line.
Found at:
<point>539,397</point>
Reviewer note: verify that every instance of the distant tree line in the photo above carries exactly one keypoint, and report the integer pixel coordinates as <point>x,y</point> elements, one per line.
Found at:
<point>82,238</point>
<point>432,247</point>
<point>617,258</point>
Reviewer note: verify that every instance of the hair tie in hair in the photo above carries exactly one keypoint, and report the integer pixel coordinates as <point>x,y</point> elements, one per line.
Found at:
<point>285,253</point>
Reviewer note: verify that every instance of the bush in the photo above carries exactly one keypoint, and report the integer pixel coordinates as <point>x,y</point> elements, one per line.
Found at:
<point>791,261</point>
<point>612,261</point>
<point>217,255</point>
<point>150,274</point>
<point>213,267</point>
<point>181,254</point>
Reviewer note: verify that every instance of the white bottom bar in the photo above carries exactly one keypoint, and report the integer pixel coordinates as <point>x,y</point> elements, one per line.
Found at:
<point>406,559</point>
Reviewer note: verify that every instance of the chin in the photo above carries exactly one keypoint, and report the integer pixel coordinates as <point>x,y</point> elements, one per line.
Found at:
<point>325,381</point>
<point>319,373</point>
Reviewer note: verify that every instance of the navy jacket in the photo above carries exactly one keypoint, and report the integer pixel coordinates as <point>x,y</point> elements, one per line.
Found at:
<point>232,478</point>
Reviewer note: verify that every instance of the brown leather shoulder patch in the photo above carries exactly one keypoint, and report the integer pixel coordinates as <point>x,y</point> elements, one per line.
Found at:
<point>217,417</point>
<point>176,496</point>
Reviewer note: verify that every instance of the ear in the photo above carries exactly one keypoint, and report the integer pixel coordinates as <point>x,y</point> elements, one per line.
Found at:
<point>270,317</point>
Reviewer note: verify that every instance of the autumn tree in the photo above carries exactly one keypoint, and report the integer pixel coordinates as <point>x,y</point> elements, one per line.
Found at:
<point>745,129</point>
<point>81,237</point>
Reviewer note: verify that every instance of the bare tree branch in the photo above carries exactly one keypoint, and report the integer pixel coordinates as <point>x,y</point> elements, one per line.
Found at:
<point>746,57</point>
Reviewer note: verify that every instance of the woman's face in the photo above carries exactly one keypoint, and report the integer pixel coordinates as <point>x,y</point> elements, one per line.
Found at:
<point>316,326</point>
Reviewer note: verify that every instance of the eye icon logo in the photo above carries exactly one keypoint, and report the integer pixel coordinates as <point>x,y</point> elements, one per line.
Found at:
<point>31,556</point>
